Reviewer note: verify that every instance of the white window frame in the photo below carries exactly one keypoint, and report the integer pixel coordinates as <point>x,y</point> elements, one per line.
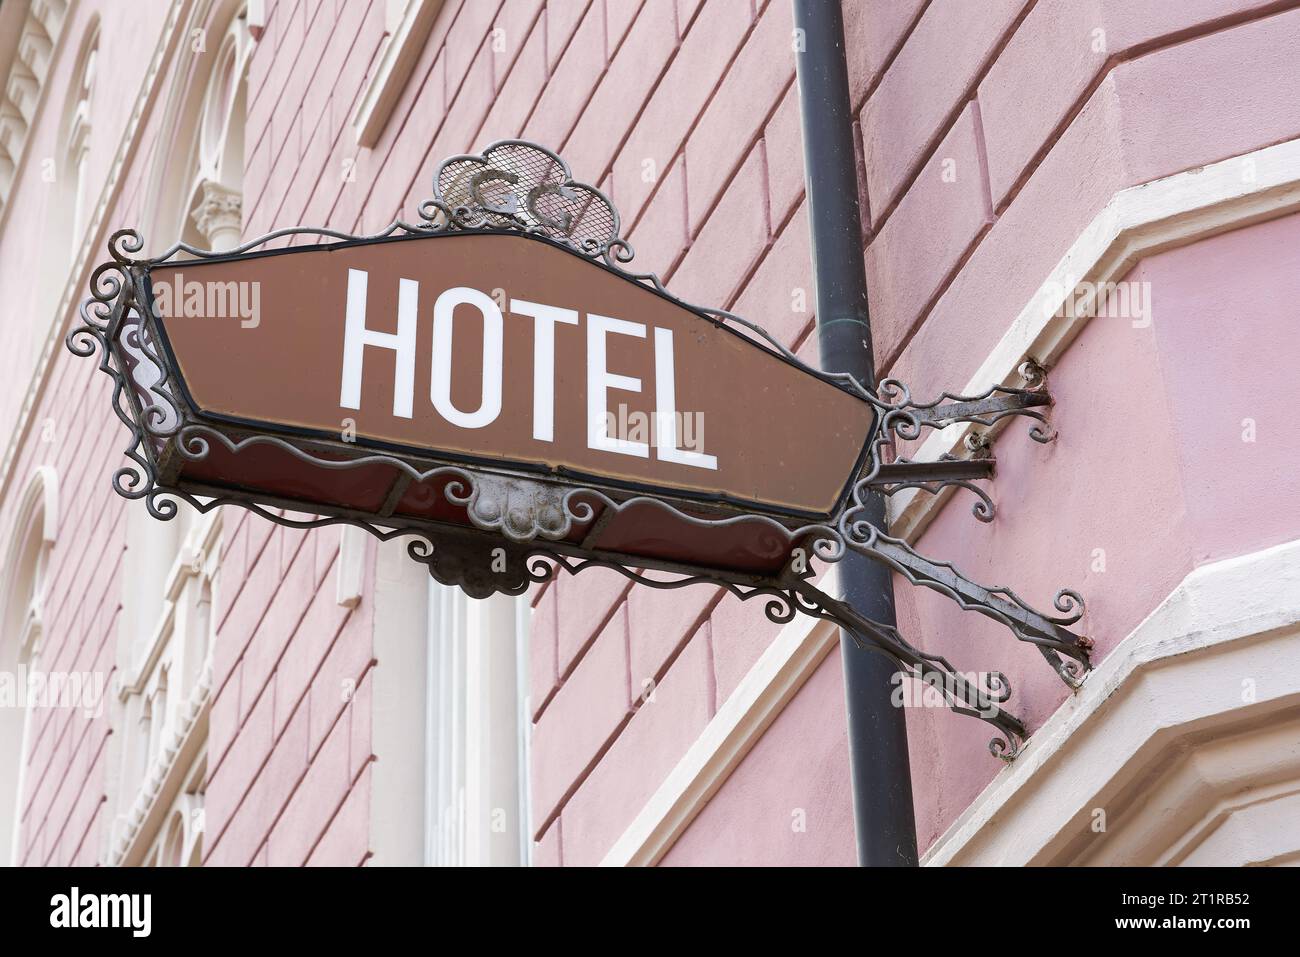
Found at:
<point>449,727</point>
<point>476,770</point>
<point>31,538</point>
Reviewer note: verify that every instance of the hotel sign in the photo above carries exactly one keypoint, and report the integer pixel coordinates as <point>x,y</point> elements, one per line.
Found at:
<point>491,378</point>
<point>493,386</point>
<point>505,350</point>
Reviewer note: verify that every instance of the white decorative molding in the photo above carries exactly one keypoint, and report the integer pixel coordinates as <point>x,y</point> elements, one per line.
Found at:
<point>1236,618</point>
<point>1139,221</point>
<point>186,738</point>
<point>409,27</point>
<point>768,686</point>
<point>1179,673</point>
<point>24,87</point>
<point>219,215</point>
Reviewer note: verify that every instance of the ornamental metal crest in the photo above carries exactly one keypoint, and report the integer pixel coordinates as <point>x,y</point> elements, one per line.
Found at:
<point>489,528</point>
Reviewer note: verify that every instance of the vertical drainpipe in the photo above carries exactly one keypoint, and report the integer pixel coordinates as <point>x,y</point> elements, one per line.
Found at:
<point>882,783</point>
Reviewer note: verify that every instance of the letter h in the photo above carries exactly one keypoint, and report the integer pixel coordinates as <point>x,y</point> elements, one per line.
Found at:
<point>357,337</point>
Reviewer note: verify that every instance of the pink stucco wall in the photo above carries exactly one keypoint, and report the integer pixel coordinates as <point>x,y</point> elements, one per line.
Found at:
<point>951,261</point>
<point>992,133</point>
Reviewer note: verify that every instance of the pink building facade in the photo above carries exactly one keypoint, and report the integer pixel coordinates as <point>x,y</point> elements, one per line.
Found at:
<point>249,694</point>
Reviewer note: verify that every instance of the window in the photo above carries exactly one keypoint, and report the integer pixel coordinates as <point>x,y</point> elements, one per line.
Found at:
<point>449,722</point>
<point>180,840</point>
<point>25,570</point>
<point>198,173</point>
<point>77,146</point>
<point>216,189</point>
<point>67,194</point>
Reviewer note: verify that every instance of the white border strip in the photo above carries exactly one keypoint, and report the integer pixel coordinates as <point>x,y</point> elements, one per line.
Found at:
<point>1137,222</point>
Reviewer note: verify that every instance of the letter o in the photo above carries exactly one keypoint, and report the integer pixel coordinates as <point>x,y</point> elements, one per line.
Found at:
<point>493,333</point>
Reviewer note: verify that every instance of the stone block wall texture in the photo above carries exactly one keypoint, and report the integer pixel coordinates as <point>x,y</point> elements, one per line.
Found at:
<point>991,132</point>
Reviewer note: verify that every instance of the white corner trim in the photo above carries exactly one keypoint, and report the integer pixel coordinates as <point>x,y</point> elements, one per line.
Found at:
<point>1138,221</point>
<point>397,708</point>
<point>762,694</point>
<point>384,86</point>
<point>1172,671</point>
<point>349,580</point>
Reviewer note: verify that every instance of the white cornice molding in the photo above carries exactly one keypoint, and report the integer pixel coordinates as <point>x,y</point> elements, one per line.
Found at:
<point>1137,222</point>
<point>1182,668</point>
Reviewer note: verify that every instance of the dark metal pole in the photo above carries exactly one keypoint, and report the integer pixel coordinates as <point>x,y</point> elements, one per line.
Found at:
<point>882,780</point>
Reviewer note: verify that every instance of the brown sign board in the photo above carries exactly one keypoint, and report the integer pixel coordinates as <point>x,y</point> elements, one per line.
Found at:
<point>492,387</point>
<point>507,352</point>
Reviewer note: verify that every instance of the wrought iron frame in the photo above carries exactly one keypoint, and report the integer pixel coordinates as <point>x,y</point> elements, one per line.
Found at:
<point>519,186</point>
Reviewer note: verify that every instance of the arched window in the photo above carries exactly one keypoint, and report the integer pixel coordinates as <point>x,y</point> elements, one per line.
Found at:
<point>172,567</point>
<point>197,184</point>
<point>22,611</point>
<point>216,194</point>
<point>77,146</point>
<point>199,169</point>
<point>66,185</point>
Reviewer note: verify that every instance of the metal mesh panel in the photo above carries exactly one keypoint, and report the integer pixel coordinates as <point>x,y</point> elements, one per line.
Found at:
<point>521,185</point>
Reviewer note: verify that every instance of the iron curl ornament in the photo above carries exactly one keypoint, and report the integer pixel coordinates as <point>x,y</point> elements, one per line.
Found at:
<point>488,526</point>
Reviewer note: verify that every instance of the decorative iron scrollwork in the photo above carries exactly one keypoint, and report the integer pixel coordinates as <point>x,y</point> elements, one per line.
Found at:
<point>520,529</point>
